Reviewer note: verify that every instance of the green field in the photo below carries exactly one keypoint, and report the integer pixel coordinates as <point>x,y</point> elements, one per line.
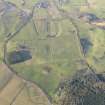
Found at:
<point>55,58</point>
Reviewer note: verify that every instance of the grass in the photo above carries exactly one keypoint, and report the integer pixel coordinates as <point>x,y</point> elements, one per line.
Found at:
<point>28,3</point>
<point>60,53</point>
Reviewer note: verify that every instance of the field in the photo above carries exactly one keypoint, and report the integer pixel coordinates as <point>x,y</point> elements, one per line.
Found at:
<point>15,91</point>
<point>50,63</point>
<point>51,36</point>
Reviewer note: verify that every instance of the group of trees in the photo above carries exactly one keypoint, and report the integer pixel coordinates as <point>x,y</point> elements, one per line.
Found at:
<point>82,89</point>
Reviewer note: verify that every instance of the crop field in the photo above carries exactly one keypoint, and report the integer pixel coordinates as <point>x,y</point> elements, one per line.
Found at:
<point>5,76</point>
<point>15,91</point>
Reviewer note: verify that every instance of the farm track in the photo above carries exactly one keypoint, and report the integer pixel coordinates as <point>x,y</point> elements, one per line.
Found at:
<point>14,98</point>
